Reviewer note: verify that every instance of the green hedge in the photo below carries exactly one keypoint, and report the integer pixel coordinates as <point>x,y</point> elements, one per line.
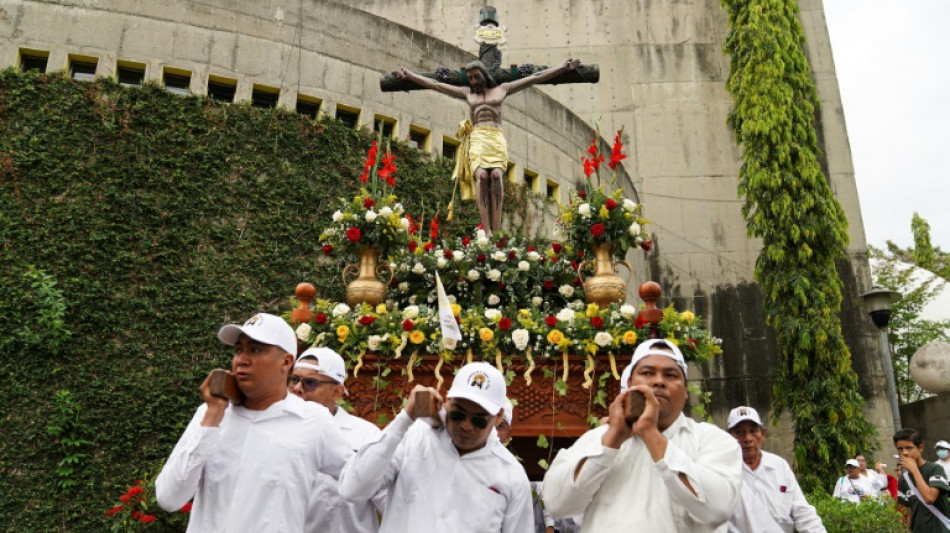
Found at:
<point>872,516</point>
<point>133,224</point>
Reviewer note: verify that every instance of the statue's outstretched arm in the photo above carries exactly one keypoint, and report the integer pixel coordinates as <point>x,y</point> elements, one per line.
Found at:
<point>428,83</point>
<point>538,77</point>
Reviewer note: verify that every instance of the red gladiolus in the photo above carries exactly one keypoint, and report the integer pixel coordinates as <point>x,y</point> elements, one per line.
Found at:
<point>466,241</point>
<point>610,203</point>
<point>531,248</point>
<point>125,498</point>
<point>186,508</point>
<point>407,325</point>
<point>639,323</point>
<point>429,246</point>
<point>321,318</point>
<point>412,246</point>
<point>353,234</point>
<point>136,514</point>
<point>588,168</point>
<point>551,321</point>
<point>135,491</point>
<point>597,229</point>
<point>370,162</point>
<point>504,324</point>
<point>389,168</point>
<point>592,149</point>
<point>556,246</point>
<point>147,519</point>
<point>327,249</point>
<point>413,227</point>
<point>368,203</point>
<point>114,510</point>
<point>548,285</point>
<point>434,228</point>
<point>480,258</point>
<point>447,254</point>
<point>616,154</point>
<point>597,322</point>
<point>367,320</point>
<point>647,245</point>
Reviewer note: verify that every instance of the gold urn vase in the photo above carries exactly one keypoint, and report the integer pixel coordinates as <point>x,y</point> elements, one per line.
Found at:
<point>605,286</point>
<point>367,287</point>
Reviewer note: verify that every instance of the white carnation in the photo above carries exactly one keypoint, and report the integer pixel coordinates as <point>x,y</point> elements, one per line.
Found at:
<point>411,312</point>
<point>584,210</point>
<point>340,310</point>
<point>634,229</point>
<point>494,274</point>
<point>520,337</point>
<point>473,275</point>
<point>629,204</point>
<point>494,299</point>
<point>303,331</point>
<point>565,315</point>
<point>603,339</point>
<point>370,215</point>
<point>337,216</point>
<point>628,311</point>
<point>404,223</point>
<point>566,290</point>
<point>481,241</point>
<point>386,211</point>
<point>418,268</point>
<point>524,266</point>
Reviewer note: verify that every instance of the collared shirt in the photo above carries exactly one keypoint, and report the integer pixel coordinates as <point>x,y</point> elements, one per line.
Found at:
<point>431,488</point>
<point>771,500</point>
<point>852,489</point>
<point>328,512</point>
<point>255,471</point>
<point>624,490</point>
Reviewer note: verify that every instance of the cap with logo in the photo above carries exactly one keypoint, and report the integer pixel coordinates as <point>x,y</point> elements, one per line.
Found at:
<point>653,347</point>
<point>328,362</point>
<point>481,383</point>
<point>741,414</point>
<point>852,462</point>
<point>942,444</point>
<point>264,328</point>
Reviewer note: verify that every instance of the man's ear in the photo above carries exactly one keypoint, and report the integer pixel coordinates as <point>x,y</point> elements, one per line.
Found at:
<point>765,432</point>
<point>287,363</point>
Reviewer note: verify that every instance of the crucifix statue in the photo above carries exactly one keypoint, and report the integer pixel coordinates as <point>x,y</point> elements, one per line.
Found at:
<point>482,158</point>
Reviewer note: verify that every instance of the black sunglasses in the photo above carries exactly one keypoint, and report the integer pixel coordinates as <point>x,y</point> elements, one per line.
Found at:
<point>309,384</point>
<point>479,421</point>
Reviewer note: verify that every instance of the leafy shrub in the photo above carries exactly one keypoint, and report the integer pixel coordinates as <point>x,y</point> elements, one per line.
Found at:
<point>871,516</point>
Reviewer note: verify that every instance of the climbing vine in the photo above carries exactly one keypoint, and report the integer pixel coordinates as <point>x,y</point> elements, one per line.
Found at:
<point>790,206</point>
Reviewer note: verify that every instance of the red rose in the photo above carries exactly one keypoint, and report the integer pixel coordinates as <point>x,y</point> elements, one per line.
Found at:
<point>480,258</point>
<point>501,285</point>
<point>412,246</point>
<point>639,323</point>
<point>447,254</point>
<point>578,281</point>
<point>551,321</point>
<point>692,343</point>
<point>596,321</point>
<point>367,320</point>
<point>597,229</point>
<point>327,249</point>
<point>647,245</point>
<point>582,195</point>
<point>511,255</point>
<point>148,519</point>
<point>531,248</point>
<point>574,264</point>
<point>556,246</point>
<point>368,203</point>
<point>466,241</point>
<point>186,508</point>
<point>429,246</point>
<point>407,325</point>
<point>610,203</point>
<point>353,234</point>
<point>321,318</point>
<point>504,323</point>
<point>548,285</point>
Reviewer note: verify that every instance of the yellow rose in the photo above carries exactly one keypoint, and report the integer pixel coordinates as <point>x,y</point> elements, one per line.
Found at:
<point>342,332</point>
<point>486,334</point>
<point>687,316</point>
<point>456,309</point>
<point>630,337</point>
<point>555,336</point>
<point>592,310</point>
<point>417,337</point>
<point>604,212</point>
<point>381,309</point>
<point>524,313</point>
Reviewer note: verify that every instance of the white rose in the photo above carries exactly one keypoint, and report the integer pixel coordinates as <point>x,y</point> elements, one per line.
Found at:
<point>494,299</point>
<point>340,310</point>
<point>566,290</point>
<point>537,301</point>
<point>372,343</point>
<point>603,339</point>
<point>370,215</point>
<point>520,337</point>
<point>403,286</point>
<point>412,299</point>
<point>628,311</point>
<point>492,314</point>
<point>482,241</point>
<point>457,255</point>
<point>386,211</point>
<point>499,255</point>
<point>337,216</point>
<point>565,315</point>
<point>418,268</point>
<point>303,331</point>
<point>449,343</point>
<point>534,256</point>
<point>473,275</point>
<point>451,298</point>
<point>524,266</point>
<point>494,274</point>
<point>441,262</point>
<point>397,207</point>
<point>411,312</point>
<point>480,234</point>
<point>404,223</point>
<point>634,229</point>
<point>584,210</point>
<point>629,204</point>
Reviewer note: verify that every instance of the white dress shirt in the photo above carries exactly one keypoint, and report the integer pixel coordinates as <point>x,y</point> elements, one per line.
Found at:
<point>624,490</point>
<point>433,489</point>
<point>852,489</point>
<point>255,471</point>
<point>772,501</point>
<point>328,512</point>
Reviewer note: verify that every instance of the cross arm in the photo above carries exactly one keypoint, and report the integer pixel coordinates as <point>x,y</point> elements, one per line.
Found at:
<point>582,74</point>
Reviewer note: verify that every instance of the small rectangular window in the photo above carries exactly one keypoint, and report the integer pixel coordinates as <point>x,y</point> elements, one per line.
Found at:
<point>177,81</point>
<point>263,96</point>
<point>308,105</point>
<point>349,116</point>
<point>384,125</point>
<point>449,147</point>
<point>33,60</point>
<point>222,89</point>
<point>418,138</point>
<point>553,191</point>
<point>82,69</point>
<point>130,74</point>
<point>512,172</point>
<point>531,180</point>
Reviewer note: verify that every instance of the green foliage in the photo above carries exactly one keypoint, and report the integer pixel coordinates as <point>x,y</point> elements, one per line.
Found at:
<point>871,516</point>
<point>66,428</point>
<point>792,209</point>
<point>924,255</point>
<point>151,220</point>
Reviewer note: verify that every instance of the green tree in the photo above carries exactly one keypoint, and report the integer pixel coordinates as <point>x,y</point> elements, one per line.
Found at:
<point>924,255</point>
<point>790,206</point>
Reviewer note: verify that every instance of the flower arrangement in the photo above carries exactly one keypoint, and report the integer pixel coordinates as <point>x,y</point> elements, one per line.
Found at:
<point>596,216</point>
<point>373,218</point>
<point>132,511</point>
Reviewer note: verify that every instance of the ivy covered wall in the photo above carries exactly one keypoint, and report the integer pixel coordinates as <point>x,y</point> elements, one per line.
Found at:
<point>133,224</point>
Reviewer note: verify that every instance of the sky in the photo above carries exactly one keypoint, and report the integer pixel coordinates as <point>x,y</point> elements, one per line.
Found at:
<point>892,59</point>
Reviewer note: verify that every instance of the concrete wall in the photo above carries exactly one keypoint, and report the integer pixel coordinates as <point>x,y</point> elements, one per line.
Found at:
<point>931,418</point>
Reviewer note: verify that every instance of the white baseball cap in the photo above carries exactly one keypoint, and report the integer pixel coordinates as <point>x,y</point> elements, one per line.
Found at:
<point>509,414</point>
<point>743,413</point>
<point>329,363</point>
<point>648,348</point>
<point>852,462</point>
<point>265,328</point>
<point>942,444</point>
<point>481,383</point>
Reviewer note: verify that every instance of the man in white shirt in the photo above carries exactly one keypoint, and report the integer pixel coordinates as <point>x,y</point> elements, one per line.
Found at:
<point>770,500</point>
<point>943,454</point>
<point>250,468</point>
<point>852,487</point>
<point>457,477</point>
<point>875,478</point>
<point>663,472</point>
<point>318,376</point>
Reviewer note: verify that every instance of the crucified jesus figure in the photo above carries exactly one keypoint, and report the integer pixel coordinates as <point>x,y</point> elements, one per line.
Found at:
<point>482,158</point>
